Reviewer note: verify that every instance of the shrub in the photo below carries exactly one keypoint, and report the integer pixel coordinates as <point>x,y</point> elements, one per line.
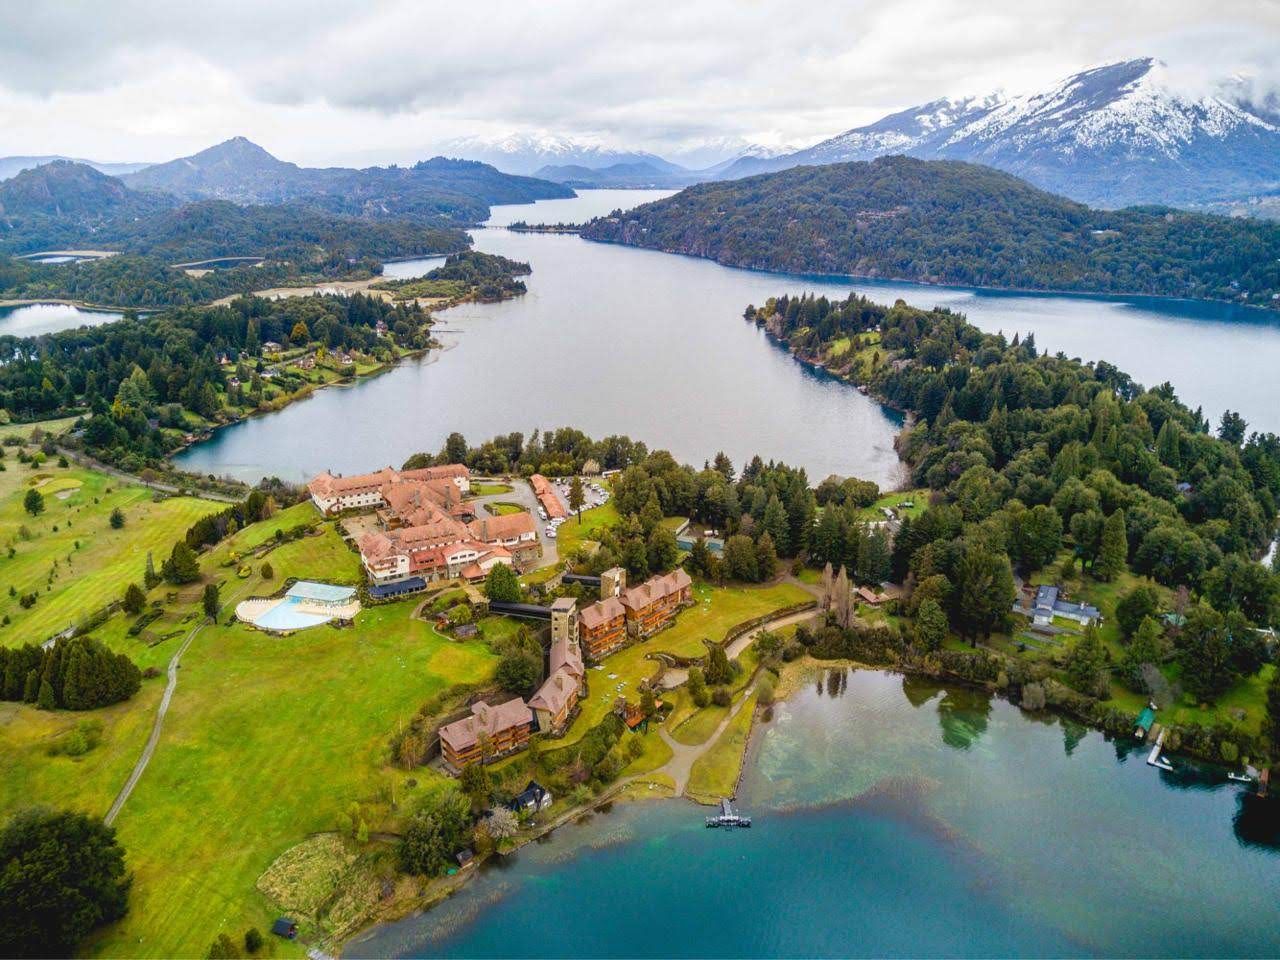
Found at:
<point>722,697</point>
<point>267,572</point>
<point>252,940</point>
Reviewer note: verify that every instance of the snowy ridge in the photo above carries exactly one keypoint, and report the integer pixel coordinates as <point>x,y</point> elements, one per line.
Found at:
<point>1113,135</point>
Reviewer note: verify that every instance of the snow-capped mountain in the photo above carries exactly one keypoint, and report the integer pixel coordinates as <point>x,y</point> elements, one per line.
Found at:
<point>526,153</point>
<point>1114,135</point>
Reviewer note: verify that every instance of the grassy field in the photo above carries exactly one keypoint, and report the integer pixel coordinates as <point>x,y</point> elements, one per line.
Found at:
<point>268,739</point>
<point>715,773</point>
<point>502,508</point>
<point>88,783</point>
<point>717,609</point>
<point>486,488</point>
<point>69,555</point>
<point>919,500</point>
<point>571,533</point>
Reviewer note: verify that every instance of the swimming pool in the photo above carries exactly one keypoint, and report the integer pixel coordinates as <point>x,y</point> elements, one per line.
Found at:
<point>305,604</point>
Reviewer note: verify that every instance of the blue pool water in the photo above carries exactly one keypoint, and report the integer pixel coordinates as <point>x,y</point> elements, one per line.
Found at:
<point>286,616</point>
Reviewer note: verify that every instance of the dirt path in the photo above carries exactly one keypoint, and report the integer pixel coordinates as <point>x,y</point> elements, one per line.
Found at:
<point>87,461</point>
<point>153,741</point>
<point>684,756</point>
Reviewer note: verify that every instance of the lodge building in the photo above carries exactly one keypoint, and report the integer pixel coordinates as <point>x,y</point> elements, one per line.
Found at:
<point>488,734</point>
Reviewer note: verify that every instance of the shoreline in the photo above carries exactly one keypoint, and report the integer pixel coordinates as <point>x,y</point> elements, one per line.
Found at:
<point>1271,313</point>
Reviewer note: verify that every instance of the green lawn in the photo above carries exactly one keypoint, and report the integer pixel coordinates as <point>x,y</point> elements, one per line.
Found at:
<point>488,489</point>
<point>24,430</point>
<point>268,740</point>
<point>572,533</point>
<point>717,609</point>
<point>91,564</point>
<point>715,773</point>
<point>656,752</point>
<point>88,783</point>
<point>502,508</point>
<point>919,500</point>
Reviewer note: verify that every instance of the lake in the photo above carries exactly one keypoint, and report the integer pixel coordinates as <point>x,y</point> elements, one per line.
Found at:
<point>33,319</point>
<point>613,339</point>
<point>892,817</point>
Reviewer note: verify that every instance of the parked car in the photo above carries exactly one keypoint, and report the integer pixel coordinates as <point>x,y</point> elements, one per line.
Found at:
<point>551,533</point>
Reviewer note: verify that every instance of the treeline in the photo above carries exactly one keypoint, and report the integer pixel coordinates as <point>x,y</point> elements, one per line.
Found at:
<point>310,239</point>
<point>1029,455</point>
<point>74,674</point>
<point>955,223</point>
<point>139,377</point>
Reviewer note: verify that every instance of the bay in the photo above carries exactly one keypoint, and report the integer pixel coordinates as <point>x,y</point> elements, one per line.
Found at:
<point>892,817</point>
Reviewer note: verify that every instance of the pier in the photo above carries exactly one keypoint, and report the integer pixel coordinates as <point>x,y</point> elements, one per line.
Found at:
<point>727,817</point>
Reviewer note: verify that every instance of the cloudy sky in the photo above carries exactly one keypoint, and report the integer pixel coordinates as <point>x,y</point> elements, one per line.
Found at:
<point>320,82</point>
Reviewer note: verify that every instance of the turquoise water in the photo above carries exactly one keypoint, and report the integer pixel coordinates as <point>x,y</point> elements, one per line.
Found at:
<point>285,615</point>
<point>892,818</point>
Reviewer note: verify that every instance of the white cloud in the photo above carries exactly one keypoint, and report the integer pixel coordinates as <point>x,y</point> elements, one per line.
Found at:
<point>331,82</point>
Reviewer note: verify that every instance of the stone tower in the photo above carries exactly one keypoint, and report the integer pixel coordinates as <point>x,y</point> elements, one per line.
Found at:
<point>564,620</point>
<point>612,582</point>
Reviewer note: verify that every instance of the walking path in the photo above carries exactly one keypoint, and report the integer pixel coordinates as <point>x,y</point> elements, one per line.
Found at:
<point>136,774</point>
<point>684,755</point>
<point>87,461</point>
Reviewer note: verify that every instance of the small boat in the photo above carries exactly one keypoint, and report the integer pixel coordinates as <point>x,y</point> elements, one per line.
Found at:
<point>1239,777</point>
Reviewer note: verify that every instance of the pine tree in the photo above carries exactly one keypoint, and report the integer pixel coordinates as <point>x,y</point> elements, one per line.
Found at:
<point>1272,727</point>
<point>1086,666</point>
<point>775,524</point>
<point>1114,550</point>
<point>766,557</point>
<point>45,699</point>
<point>931,624</point>
<point>181,567</point>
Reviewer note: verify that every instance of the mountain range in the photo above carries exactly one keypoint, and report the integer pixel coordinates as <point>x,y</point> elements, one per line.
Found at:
<point>12,166</point>
<point>1116,135</point>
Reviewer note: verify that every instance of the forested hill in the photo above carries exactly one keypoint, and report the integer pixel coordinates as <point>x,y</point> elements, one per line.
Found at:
<point>243,172</point>
<point>955,223</point>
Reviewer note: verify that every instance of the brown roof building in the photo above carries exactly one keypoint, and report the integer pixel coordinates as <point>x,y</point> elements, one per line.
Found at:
<point>505,728</point>
<point>333,494</point>
<point>602,627</point>
<point>654,604</point>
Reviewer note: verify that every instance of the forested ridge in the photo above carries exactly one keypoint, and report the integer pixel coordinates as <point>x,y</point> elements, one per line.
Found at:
<point>954,223</point>
<point>137,381</point>
<point>1029,455</point>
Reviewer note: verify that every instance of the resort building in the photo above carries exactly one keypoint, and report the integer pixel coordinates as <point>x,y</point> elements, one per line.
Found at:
<point>603,627</point>
<point>333,494</point>
<point>436,551</point>
<point>654,604</point>
<point>556,701</point>
<point>488,734</point>
<point>514,532</point>
<point>545,491</point>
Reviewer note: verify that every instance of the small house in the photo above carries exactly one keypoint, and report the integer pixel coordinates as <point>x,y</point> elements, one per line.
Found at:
<point>284,927</point>
<point>531,799</point>
<point>465,858</point>
<point>867,595</point>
